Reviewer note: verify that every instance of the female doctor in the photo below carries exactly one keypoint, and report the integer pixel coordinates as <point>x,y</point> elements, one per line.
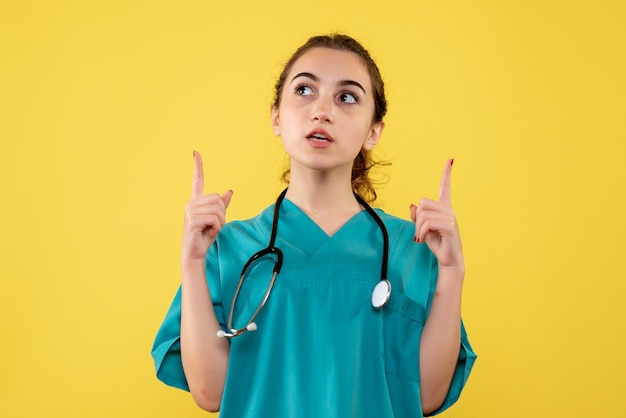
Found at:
<point>346,311</point>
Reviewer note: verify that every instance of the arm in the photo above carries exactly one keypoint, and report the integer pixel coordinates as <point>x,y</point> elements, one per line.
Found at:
<point>436,225</point>
<point>204,356</point>
<point>441,340</point>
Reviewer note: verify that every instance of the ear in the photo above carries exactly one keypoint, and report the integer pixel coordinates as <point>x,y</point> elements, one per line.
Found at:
<point>275,120</point>
<point>374,135</point>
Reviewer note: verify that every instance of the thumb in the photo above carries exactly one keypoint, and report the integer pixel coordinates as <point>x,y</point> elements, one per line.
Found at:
<point>226,197</point>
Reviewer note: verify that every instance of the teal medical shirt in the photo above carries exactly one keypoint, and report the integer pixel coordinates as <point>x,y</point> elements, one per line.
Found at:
<point>320,350</point>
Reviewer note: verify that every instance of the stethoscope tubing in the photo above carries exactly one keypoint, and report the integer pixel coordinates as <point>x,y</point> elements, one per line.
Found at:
<point>383,230</point>
<point>378,299</point>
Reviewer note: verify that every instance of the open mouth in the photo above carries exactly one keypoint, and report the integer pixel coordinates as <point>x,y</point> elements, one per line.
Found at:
<point>318,138</point>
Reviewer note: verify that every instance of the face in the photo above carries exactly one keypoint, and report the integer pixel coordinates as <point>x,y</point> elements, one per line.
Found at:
<point>326,111</point>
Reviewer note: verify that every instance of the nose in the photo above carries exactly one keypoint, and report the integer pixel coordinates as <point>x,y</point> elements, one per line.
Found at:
<point>323,110</point>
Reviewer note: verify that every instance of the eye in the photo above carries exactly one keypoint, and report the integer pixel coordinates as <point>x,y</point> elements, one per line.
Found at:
<point>348,98</point>
<point>304,90</point>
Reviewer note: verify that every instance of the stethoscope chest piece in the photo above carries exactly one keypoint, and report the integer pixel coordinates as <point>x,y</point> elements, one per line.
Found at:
<point>381,293</point>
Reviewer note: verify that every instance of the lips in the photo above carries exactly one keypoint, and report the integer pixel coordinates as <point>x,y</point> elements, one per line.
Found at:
<point>319,135</point>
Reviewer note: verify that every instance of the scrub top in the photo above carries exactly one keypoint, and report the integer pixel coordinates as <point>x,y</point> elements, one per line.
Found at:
<point>321,349</point>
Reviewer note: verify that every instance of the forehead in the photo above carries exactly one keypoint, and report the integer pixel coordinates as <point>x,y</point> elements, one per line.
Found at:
<point>332,65</point>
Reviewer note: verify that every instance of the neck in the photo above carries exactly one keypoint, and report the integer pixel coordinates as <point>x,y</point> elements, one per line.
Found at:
<point>317,192</point>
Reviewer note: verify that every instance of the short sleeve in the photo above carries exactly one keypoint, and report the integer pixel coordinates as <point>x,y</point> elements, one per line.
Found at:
<point>166,348</point>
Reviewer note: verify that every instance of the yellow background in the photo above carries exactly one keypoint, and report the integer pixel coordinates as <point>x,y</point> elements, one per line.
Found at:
<point>102,103</point>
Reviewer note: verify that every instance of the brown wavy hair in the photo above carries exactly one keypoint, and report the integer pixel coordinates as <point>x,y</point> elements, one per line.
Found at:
<point>362,183</point>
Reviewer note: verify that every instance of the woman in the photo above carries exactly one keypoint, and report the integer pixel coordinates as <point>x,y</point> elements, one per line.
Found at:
<point>324,345</point>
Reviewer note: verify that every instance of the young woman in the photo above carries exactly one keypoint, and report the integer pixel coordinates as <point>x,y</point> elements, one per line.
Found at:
<point>363,317</point>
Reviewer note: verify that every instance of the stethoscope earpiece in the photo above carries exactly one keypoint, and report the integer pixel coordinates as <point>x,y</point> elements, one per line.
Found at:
<point>234,332</point>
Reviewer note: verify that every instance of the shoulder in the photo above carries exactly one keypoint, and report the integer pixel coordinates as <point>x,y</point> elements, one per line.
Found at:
<point>396,226</point>
<point>401,234</point>
<point>240,238</point>
<point>256,225</point>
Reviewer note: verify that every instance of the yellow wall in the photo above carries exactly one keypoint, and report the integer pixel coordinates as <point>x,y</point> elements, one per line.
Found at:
<point>102,103</point>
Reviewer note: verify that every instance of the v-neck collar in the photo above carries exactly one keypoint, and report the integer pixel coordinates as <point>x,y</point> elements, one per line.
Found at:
<point>304,241</point>
<point>313,227</point>
<point>298,233</point>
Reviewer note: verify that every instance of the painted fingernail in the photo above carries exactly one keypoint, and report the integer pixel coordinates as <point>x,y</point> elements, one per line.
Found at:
<point>451,162</point>
<point>414,239</point>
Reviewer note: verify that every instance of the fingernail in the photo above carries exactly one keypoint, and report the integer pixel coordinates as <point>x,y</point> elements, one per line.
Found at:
<point>414,239</point>
<point>451,162</point>
<point>194,154</point>
<point>412,206</point>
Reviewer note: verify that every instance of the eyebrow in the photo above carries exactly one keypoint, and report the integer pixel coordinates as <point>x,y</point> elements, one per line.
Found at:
<point>341,83</point>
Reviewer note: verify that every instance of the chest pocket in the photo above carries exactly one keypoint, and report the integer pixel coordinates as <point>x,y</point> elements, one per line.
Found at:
<point>402,330</point>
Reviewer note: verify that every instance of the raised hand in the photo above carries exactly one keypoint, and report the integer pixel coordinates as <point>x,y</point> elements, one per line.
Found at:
<point>205,215</point>
<point>435,224</point>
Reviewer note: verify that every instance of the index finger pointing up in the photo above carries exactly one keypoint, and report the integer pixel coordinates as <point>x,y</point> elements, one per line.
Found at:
<point>444,188</point>
<point>197,185</point>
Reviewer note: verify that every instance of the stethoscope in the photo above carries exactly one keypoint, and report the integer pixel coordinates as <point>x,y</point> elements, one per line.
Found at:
<point>380,293</point>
